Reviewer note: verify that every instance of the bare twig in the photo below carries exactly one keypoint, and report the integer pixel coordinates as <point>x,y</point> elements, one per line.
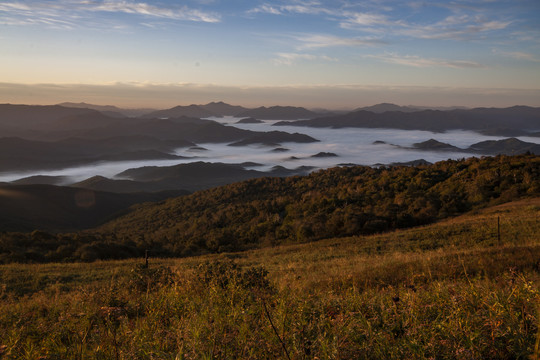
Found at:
<point>275,330</point>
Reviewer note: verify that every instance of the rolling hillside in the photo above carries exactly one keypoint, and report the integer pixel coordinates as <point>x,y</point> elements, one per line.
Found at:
<point>269,211</point>
<point>446,290</point>
<point>325,204</point>
<point>59,208</point>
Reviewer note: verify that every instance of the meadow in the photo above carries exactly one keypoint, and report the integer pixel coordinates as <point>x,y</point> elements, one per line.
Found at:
<point>463,288</point>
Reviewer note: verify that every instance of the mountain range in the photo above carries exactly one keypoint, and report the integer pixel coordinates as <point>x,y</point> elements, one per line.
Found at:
<point>278,113</point>
<point>385,107</point>
<point>518,119</point>
<point>509,146</point>
<point>109,110</point>
<point>56,137</point>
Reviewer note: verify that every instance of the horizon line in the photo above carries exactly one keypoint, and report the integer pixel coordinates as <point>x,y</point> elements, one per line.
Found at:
<point>335,97</point>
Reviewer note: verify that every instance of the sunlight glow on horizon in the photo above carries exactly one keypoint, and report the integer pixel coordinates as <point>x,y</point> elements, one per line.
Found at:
<point>345,97</point>
<point>460,45</point>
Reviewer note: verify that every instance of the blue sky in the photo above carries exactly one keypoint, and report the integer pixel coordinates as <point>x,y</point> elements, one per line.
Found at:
<point>335,50</point>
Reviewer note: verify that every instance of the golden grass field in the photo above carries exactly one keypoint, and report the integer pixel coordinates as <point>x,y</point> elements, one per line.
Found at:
<point>450,290</point>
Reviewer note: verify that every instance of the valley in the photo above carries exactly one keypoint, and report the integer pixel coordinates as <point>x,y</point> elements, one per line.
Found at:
<point>78,143</point>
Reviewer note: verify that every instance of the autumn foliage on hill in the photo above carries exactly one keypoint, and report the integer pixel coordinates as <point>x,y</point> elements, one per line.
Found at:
<point>331,203</point>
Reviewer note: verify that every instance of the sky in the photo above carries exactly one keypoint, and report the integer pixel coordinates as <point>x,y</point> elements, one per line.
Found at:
<point>332,54</point>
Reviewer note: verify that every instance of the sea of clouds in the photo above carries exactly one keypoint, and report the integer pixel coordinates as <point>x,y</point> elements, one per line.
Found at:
<point>352,145</point>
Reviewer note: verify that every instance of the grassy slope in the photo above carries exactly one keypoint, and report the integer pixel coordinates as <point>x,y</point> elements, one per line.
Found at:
<point>447,290</point>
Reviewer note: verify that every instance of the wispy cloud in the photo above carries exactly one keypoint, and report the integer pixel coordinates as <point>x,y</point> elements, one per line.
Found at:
<point>298,7</point>
<point>314,41</point>
<point>265,9</point>
<point>183,13</point>
<point>72,13</point>
<point>460,24</point>
<point>14,6</point>
<point>518,55</point>
<point>420,62</point>
<point>291,58</point>
<point>363,20</point>
<point>47,14</point>
<point>454,27</point>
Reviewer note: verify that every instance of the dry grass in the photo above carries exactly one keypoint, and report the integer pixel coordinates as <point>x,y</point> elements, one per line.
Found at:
<point>446,291</point>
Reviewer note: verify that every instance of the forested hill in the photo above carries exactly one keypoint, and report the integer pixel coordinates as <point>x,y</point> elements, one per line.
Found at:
<point>329,203</point>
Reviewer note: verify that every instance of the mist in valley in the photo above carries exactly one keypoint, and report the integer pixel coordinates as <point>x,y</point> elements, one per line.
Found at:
<point>342,146</point>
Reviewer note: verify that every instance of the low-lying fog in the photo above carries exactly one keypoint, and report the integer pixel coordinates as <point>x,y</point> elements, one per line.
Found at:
<point>352,145</point>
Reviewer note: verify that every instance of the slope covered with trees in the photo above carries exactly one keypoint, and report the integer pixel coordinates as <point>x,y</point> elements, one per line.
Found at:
<point>325,204</point>
<point>61,208</point>
<point>268,211</point>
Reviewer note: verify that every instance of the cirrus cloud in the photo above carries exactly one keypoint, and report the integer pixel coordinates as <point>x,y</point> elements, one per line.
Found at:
<point>291,58</point>
<point>420,62</point>
<point>314,41</point>
<point>183,13</point>
<point>71,13</point>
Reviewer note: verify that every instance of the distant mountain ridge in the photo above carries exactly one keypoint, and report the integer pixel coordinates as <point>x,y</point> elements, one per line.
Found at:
<point>194,111</point>
<point>56,137</point>
<point>20,154</point>
<point>273,138</point>
<point>200,175</point>
<point>220,109</point>
<point>101,183</point>
<point>509,146</point>
<point>223,109</point>
<point>435,145</point>
<point>478,119</point>
<point>278,113</point>
<point>109,110</point>
<point>384,107</point>
<point>213,109</point>
<point>37,116</point>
